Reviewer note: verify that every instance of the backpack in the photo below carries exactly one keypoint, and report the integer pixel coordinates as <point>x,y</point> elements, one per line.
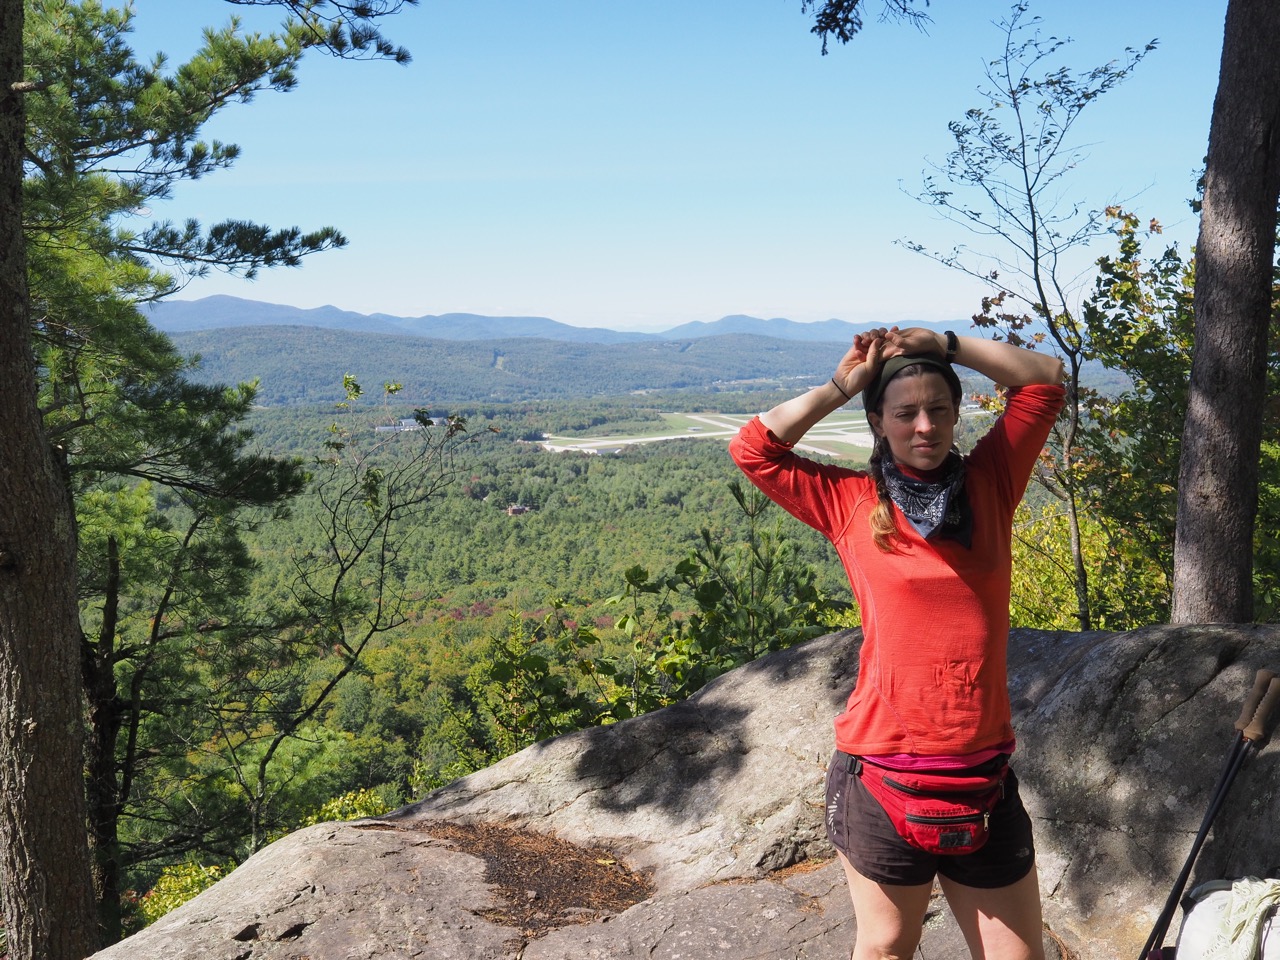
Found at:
<point>1231,920</point>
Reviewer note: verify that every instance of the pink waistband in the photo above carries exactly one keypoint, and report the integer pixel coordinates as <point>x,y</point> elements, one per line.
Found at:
<point>910,761</point>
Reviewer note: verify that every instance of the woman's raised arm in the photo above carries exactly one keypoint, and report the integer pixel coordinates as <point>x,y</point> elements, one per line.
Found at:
<point>1003,363</point>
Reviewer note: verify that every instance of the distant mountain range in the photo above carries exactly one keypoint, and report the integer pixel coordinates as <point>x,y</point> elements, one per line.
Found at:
<point>222,312</point>
<point>299,356</point>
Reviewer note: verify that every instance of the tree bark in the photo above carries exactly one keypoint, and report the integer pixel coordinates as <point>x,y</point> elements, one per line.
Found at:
<point>103,716</point>
<point>1218,473</point>
<point>44,855</point>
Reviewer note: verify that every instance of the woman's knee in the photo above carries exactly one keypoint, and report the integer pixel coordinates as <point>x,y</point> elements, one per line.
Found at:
<point>865,948</point>
<point>889,918</point>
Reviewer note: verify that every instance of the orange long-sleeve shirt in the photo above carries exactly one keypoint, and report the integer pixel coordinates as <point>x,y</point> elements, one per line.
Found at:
<point>935,615</point>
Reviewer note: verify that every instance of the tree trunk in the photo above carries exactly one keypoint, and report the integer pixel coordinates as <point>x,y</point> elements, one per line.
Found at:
<point>103,720</point>
<point>44,856</point>
<point>104,817</point>
<point>1084,610</point>
<point>1218,472</point>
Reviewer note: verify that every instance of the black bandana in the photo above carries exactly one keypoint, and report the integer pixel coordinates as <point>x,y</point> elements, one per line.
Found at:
<point>939,507</point>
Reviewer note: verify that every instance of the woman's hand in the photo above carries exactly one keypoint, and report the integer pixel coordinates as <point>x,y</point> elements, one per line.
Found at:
<point>858,366</point>
<point>916,340</point>
<point>791,419</point>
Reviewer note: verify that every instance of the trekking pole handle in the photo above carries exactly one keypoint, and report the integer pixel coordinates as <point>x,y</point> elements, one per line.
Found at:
<point>1257,727</point>
<point>1260,683</point>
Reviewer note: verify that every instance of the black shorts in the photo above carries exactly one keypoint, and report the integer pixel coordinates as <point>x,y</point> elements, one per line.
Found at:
<point>860,829</point>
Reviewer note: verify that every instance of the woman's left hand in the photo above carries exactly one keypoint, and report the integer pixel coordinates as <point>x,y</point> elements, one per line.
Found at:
<point>916,340</point>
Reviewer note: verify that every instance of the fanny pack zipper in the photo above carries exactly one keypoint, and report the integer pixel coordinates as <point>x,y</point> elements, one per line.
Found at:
<point>965,818</point>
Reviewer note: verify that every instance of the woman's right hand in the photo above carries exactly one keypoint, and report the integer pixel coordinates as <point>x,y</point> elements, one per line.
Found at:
<point>791,419</point>
<point>858,366</point>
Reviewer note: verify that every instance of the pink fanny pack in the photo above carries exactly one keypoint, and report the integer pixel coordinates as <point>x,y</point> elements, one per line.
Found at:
<point>939,812</point>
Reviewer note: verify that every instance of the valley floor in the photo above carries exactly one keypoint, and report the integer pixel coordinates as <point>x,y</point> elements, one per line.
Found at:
<point>837,436</point>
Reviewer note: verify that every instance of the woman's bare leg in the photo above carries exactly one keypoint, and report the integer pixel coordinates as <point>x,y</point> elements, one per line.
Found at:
<point>1003,923</point>
<point>890,918</point>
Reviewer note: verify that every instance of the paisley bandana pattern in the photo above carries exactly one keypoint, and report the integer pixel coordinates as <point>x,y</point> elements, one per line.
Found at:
<point>933,507</point>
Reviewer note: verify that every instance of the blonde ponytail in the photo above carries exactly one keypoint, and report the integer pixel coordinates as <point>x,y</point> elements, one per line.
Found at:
<point>884,526</point>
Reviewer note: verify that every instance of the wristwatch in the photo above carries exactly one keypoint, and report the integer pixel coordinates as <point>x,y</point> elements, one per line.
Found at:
<point>952,345</point>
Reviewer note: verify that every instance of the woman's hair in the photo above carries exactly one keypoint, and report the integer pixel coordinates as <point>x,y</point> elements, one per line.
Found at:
<point>884,527</point>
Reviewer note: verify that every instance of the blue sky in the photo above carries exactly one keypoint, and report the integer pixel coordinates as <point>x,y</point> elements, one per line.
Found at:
<point>637,166</point>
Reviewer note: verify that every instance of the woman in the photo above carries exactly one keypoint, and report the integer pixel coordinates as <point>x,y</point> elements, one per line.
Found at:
<point>924,536</point>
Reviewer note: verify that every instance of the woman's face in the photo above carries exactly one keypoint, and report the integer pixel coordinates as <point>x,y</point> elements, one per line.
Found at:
<point>918,417</point>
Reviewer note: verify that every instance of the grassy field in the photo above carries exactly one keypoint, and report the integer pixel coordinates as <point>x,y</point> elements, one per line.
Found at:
<point>842,435</point>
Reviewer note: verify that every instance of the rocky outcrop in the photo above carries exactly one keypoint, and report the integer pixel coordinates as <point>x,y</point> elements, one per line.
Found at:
<point>1121,737</point>
<point>1124,750</point>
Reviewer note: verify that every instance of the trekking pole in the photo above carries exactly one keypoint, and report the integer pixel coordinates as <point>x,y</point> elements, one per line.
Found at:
<point>1254,731</point>
<point>1249,730</point>
<point>1261,682</point>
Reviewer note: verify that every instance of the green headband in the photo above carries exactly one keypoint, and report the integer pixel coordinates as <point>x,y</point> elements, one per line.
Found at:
<point>872,395</point>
